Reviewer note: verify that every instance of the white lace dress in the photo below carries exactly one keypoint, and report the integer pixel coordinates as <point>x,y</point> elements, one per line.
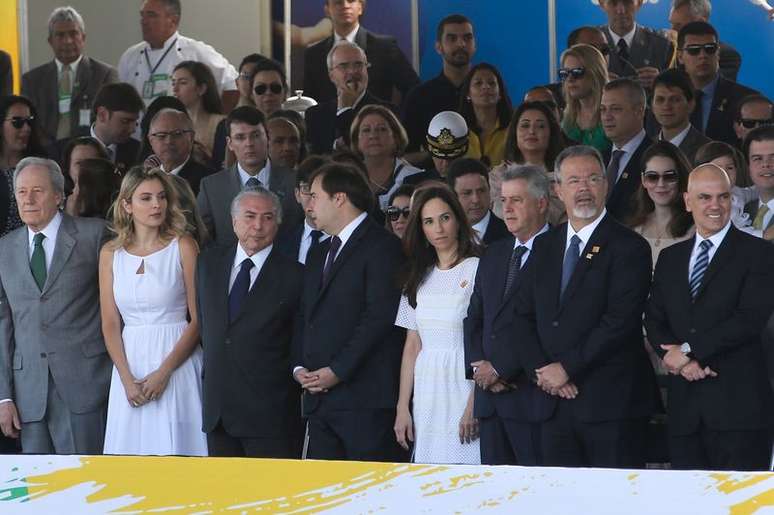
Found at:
<point>440,389</point>
<point>153,308</point>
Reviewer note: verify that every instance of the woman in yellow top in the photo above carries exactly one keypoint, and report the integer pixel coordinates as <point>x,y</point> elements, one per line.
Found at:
<point>486,107</point>
<point>194,85</point>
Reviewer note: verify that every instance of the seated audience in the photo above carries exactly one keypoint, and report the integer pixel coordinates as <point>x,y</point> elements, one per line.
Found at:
<point>194,85</point>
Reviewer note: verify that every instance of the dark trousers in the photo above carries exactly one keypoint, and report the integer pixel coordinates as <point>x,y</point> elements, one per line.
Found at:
<point>357,435</point>
<point>569,442</point>
<point>510,442</point>
<point>721,450</point>
<point>222,444</point>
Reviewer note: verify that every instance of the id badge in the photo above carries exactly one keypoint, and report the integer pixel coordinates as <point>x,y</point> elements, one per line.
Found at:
<point>84,117</point>
<point>161,85</point>
<point>64,104</point>
<point>147,89</point>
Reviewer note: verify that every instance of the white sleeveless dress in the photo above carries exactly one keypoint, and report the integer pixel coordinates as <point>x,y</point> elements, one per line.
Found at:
<point>153,308</point>
<point>441,391</point>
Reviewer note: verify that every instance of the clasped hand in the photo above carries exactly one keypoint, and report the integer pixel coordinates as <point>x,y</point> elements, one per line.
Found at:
<point>678,363</point>
<point>553,379</point>
<point>317,381</point>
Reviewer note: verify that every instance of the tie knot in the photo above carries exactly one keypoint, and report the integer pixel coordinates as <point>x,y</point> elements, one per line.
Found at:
<point>519,251</point>
<point>575,241</point>
<point>65,67</point>
<point>247,264</point>
<point>252,183</point>
<point>622,46</point>
<point>38,239</point>
<point>335,244</point>
<point>705,245</point>
<point>316,235</point>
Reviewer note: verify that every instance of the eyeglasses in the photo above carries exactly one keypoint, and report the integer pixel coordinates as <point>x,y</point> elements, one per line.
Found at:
<point>356,66</point>
<point>751,123</point>
<point>575,73</point>
<point>274,87</point>
<point>651,177</point>
<point>709,49</point>
<point>162,136</point>
<point>393,213</point>
<point>591,180</point>
<point>19,121</point>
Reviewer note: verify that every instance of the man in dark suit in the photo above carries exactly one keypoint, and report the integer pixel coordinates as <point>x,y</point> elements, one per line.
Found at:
<point>469,178</point>
<point>389,68</point>
<point>347,349</point>
<point>246,137</point>
<point>250,401</point>
<point>621,111</point>
<point>579,320</point>
<point>672,104</point>
<point>171,136</point>
<point>710,300</point>
<point>507,404</point>
<point>6,74</point>
<point>328,123</point>
<point>63,89</point>
<point>752,111</point>
<point>635,51</point>
<point>716,97</point>
<point>759,151</point>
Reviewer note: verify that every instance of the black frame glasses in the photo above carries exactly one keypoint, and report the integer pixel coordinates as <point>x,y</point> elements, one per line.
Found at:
<point>393,213</point>
<point>18,121</point>
<point>575,73</point>
<point>653,177</point>
<point>709,49</point>
<point>274,87</point>
<point>752,123</point>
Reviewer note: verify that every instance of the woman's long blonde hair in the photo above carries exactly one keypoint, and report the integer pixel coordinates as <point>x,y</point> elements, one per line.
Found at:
<point>122,224</point>
<point>596,68</point>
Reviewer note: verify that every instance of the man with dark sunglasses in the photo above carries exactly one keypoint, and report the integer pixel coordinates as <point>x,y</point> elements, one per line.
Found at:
<point>716,97</point>
<point>753,111</point>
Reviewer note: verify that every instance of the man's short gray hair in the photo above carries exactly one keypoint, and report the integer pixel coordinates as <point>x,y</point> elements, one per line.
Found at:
<point>258,192</point>
<point>66,13</point>
<point>698,8</point>
<point>537,181</point>
<point>54,172</point>
<point>340,44</point>
<point>176,112</point>
<point>577,151</point>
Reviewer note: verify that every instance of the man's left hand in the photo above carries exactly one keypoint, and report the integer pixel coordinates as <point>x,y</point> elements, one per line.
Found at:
<point>326,379</point>
<point>674,359</point>
<point>552,377</point>
<point>485,375</point>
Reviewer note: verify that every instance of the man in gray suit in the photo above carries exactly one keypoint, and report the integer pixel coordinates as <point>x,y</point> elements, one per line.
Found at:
<point>63,89</point>
<point>247,138</point>
<point>54,368</point>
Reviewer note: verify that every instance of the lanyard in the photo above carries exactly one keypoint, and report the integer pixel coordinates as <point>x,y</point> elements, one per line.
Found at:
<point>147,59</point>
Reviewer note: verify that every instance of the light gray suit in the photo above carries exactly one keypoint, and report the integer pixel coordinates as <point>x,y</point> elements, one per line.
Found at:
<point>53,360</point>
<point>41,85</point>
<point>216,192</point>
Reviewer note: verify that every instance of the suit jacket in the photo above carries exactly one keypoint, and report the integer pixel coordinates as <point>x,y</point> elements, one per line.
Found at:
<point>730,61</point>
<point>56,331</point>
<point>720,126</point>
<point>246,382</point>
<point>348,322</point>
<point>194,172</point>
<point>289,242</point>
<point>216,192</point>
<point>595,330</point>
<point>489,336</point>
<point>6,74</point>
<point>693,141</point>
<point>648,48</point>
<point>751,208</point>
<point>389,68</point>
<point>41,85</point>
<point>619,201</point>
<point>723,326</point>
<point>324,126</point>
<point>495,230</point>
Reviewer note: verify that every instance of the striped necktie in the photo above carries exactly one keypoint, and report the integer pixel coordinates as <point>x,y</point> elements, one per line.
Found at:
<point>700,267</point>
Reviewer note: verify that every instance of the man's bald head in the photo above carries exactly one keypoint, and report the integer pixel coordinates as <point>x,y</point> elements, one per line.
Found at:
<point>708,172</point>
<point>708,199</point>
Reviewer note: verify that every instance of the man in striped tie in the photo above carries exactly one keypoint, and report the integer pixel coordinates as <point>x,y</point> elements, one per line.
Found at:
<point>710,299</point>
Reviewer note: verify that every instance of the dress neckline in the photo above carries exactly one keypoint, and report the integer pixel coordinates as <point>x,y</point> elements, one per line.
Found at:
<point>162,249</point>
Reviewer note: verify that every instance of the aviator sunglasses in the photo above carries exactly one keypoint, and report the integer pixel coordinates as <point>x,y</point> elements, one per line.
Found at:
<point>274,87</point>
<point>393,213</point>
<point>575,73</point>
<point>651,177</point>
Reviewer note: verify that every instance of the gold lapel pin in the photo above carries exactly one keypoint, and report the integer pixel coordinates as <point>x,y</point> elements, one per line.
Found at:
<point>589,256</point>
<point>595,249</point>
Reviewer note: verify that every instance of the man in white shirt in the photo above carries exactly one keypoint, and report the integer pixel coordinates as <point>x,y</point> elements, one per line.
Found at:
<point>148,65</point>
<point>759,151</point>
<point>116,111</point>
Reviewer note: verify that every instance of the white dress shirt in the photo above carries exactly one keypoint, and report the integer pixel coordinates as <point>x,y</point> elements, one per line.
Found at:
<point>481,226</point>
<point>678,139</point>
<point>349,37</point>
<point>264,175</point>
<point>584,234</point>
<point>528,244</point>
<point>628,37</point>
<point>49,242</point>
<point>347,231</point>
<point>716,240</point>
<point>629,148</point>
<point>258,259</point>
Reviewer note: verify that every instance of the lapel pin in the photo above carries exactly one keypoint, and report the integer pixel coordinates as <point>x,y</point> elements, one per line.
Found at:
<point>464,283</point>
<point>722,105</point>
<point>595,249</point>
<point>624,175</point>
<point>589,256</point>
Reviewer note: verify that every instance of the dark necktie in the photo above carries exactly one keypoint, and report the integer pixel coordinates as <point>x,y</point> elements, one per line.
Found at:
<point>239,289</point>
<point>334,248</point>
<point>612,170</point>
<point>702,261</point>
<point>38,260</point>
<point>623,49</point>
<point>253,183</point>
<point>570,260</point>
<point>697,116</point>
<point>315,235</point>
<point>513,268</point>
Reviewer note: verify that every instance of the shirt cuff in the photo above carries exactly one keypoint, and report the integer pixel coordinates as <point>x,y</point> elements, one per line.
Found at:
<point>3,401</point>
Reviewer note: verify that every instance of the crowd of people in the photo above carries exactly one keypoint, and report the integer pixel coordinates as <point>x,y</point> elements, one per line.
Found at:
<point>425,271</point>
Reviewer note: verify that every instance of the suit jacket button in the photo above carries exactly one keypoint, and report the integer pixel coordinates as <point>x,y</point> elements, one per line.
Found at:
<point>492,337</point>
<point>692,331</point>
<point>42,354</point>
<point>555,323</point>
<point>228,341</point>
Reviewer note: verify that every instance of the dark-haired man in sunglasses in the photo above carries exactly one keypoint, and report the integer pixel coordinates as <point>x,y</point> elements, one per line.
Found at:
<point>753,111</point>
<point>716,97</point>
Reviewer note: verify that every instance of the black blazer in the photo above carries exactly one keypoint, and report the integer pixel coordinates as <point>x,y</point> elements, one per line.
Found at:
<point>595,331</point>
<point>495,230</point>
<point>324,126</point>
<point>648,48</point>
<point>489,336</point>
<point>194,172</point>
<point>247,382</point>
<point>693,141</point>
<point>389,67</point>
<point>348,323</point>
<point>6,74</point>
<point>723,327</point>
<point>620,203</point>
<point>288,243</point>
<point>720,126</point>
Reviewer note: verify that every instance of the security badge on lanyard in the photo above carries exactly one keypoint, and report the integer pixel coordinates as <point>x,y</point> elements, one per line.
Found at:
<point>158,83</point>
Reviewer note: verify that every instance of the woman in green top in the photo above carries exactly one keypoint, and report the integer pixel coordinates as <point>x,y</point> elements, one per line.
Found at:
<point>583,75</point>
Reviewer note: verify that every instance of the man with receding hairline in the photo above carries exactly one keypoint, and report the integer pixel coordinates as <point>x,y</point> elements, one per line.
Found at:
<point>710,299</point>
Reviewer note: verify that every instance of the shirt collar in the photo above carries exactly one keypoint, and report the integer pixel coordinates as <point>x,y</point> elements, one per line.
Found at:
<point>308,231</point>
<point>585,233</point>
<point>263,175</point>
<point>176,170</point>
<point>482,224</point>
<point>50,231</point>
<point>349,37</point>
<point>171,38</point>
<point>631,145</point>
<point>629,37</point>
<point>93,134</point>
<point>677,140</point>
<point>530,241</point>
<point>716,238</point>
<point>709,89</point>
<point>770,203</point>
<point>258,258</point>
<point>347,231</point>
<point>73,65</point>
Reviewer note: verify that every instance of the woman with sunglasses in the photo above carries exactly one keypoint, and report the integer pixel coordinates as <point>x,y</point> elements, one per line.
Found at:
<point>583,75</point>
<point>194,85</point>
<point>398,210</point>
<point>659,212</point>
<point>19,138</point>
<point>270,86</point>
<point>486,107</point>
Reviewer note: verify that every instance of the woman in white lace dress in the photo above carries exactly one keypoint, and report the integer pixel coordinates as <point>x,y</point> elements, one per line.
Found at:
<point>147,297</point>
<point>442,269</point>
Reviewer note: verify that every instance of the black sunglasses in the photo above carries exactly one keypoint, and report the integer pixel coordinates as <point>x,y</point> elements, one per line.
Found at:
<point>651,177</point>
<point>575,73</point>
<point>393,213</point>
<point>709,49</point>
<point>19,121</point>
<point>275,88</point>
<point>751,123</point>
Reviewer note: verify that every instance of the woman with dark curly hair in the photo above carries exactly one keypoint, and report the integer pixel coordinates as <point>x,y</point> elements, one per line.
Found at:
<point>194,85</point>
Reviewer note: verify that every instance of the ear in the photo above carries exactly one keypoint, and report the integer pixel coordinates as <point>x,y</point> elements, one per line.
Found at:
<point>201,89</point>
<point>686,199</point>
<point>228,143</point>
<point>438,48</point>
<point>102,114</point>
<point>127,206</point>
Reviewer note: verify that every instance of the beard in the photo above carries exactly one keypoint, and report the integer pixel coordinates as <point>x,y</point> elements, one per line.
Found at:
<point>585,212</point>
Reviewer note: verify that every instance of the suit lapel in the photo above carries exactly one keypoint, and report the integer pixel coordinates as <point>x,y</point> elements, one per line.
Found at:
<point>719,103</point>
<point>81,78</point>
<point>344,253</point>
<point>21,256</point>
<point>221,281</point>
<point>598,239</point>
<point>500,273</point>
<point>234,182</point>
<point>65,242</point>
<point>361,38</point>
<point>555,260</point>
<point>265,281</point>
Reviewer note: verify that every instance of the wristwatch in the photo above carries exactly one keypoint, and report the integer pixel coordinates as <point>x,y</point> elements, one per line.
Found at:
<point>685,348</point>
